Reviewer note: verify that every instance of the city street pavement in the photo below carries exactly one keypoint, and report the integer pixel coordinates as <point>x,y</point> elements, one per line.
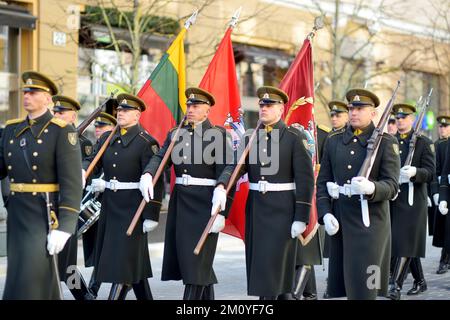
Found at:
<point>229,266</point>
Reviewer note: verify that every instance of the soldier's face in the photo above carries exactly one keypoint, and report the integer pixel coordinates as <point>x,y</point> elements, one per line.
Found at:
<point>392,128</point>
<point>127,117</point>
<point>68,116</point>
<point>360,117</point>
<point>339,119</point>
<point>36,100</point>
<point>197,112</point>
<point>270,113</point>
<point>99,130</point>
<point>404,125</point>
<point>444,131</point>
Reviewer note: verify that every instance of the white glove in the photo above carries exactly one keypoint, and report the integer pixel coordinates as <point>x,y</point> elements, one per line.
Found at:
<point>407,172</point>
<point>83,177</point>
<point>443,207</point>
<point>396,196</point>
<point>98,185</point>
<point>403,179</point>
<point>146,186</point>
<point>436,199</point>
<point>361,185</point>
<point>149,225</point>
<point>219,199</point>
<point>333,190</point>
<point>429,202</point>
<point>297,228</point>
<point>218,225</point>
<point>56,240</point>
<point>331,224</point>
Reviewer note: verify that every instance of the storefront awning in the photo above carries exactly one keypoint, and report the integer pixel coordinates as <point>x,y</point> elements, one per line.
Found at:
<point>16,17</point>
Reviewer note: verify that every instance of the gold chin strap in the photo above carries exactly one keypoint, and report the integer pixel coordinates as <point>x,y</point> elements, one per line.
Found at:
<point>403,135</point>
<point>123,131</point>
<point>357,132</point>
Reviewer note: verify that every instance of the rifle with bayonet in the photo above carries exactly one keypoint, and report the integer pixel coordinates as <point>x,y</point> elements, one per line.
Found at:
<point>412,143</point>
<point>83,125</point>
<point>372,150</point>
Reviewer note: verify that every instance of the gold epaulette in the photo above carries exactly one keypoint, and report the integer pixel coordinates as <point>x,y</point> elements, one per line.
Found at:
<point>332,134</point>
<point>58,122</point>
<point>14,121</point>
<point>324,128</point>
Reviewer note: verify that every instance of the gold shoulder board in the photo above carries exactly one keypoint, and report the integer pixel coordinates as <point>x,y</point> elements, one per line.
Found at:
<point>14,121</point>
<point>59,122</point>
<point>324,128</point>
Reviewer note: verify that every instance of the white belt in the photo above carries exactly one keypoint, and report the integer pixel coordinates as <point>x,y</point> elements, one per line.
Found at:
<point>347,190</point>
<point>117,185</point>
<point>187,180</point>
<point>439,179</point>
<point>264,186</point>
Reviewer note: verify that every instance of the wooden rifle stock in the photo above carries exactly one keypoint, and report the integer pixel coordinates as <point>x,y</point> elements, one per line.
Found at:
<point>100,153</point>
<point>158,173</point>
<point>377,135</point>
<point>231,183</point>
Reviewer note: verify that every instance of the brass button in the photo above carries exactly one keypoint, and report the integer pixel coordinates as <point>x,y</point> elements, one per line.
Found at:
<point>264,150</point>
<point>262,164</point>
<point>354,140</point>
<point>11,141</point>
<point>262,178</point>
<point>401,142</point>
<point>184,170</point>
<point>9,167</point>
<point>114,178</point>
<point>348,181</point>
<point>9,154</point>
<point>187,144</point>
<point>119,141</point>
<point>114,165</point>
<point>352,152</point>
<point>13,193</point>
<point>12,179</point>
<point>349,167</point>
<point>39,141</point>
<point>34,180</point>
<point>34,193</point>
<point>190,133</point>
<point>185,157</point>
<point>35,154</point>
<point>267,138</point>
<point>400,151</point>
<point>115,153</point>
<point>34,168</point>
<point>46,130</point>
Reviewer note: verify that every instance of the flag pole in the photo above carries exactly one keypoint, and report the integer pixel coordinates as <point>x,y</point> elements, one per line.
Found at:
<point>189,22</point>
<point>235,18</point>
<point>318,24</point>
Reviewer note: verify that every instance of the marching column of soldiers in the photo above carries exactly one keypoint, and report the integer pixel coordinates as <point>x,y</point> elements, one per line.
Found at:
<point>48,163</point>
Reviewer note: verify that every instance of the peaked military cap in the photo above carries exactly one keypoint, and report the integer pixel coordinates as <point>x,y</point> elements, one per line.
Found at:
<point>63,103</point>
<point>196,95</point>
<point>105,119</point>
<point>401,110</point>
<point>128,101</point>
<point>391,118</point>
<point>337,106</point>
<point>443,119</point>
<point>36,81</point>
<point>271,95</point>
<point>361,98</point>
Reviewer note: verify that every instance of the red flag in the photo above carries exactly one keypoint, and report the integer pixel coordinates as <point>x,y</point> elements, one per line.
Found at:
<point>298,83</point>
<point>221,81</point>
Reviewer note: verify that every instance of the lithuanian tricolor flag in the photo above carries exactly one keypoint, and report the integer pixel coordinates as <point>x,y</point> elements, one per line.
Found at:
<point>163,92</point>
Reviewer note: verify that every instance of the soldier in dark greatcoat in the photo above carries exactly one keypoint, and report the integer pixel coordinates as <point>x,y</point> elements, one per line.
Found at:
<point>409,208</point>
<point>119,259</point>
<point>279,201</point>
<point>359,255</point>
<point>198,163</point>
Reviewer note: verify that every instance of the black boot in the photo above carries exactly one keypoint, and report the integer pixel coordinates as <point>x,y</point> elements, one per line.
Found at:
<point>310,292</point>
<point>82,293</point>
<point>94,286</point>
<point>208,292</point>
<point>118,291</point>
<point>443,263</point>
<point>420,284</point>
<point>302,274</point>
<point>399,275</point>
<point>142,290</point>
<point>193,292</point>
<point>267,298</point>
